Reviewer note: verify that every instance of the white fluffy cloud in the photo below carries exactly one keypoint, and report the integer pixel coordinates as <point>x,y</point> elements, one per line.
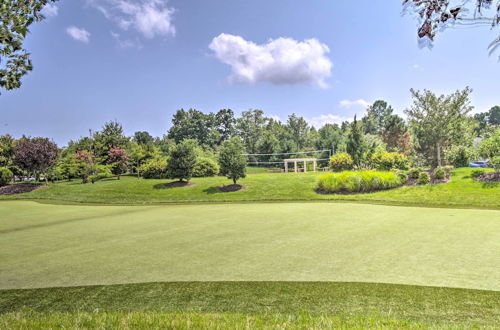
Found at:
<point>50,10</point>
<point>347,104</point>
<point>321,120</point>
<point>279,61</point>
<point>78,34</point>
<point>149,17</point>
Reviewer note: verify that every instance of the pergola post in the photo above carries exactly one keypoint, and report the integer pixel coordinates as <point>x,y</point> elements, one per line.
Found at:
<point>314,165</point>
<point>286,166</point>
<point>305,166</point>
<point>295,166</point>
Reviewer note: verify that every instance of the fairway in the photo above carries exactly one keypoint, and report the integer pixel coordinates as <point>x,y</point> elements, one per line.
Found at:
<point>45,245</point>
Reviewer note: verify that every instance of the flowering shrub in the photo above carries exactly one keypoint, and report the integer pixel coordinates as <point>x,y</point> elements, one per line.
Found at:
<point>385,161</point>
<point>118,160</point>
<point>341,162</point>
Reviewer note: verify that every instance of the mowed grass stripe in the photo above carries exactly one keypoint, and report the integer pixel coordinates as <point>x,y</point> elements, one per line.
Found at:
<point>356,304</point>
<point>60,245</point>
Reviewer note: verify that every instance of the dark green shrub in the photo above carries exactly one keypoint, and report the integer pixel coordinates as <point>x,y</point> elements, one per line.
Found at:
<point>341,162</point>
<point>439,173</point>
<point>403,177</point>
<point>385,161</point>
<point>460,156</point>
<point>100,172</point>
<point>155,168</point>
<point>476,173</point>
<point>5,176</point>
<point>424,178</point>
<point>359,181</point>
<point>231,160</point>
<point>415,172</point>
<point>495,163</point>
<point>205,167</point>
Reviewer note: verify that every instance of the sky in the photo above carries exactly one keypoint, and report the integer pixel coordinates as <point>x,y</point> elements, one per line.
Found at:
<point>138,61</point>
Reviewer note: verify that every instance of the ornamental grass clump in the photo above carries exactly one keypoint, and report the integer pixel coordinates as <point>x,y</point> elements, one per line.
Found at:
<point>358,182</point>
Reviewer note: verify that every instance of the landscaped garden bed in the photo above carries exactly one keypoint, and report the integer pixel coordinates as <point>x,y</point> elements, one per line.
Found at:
<point>20,188</point>
<point>350,182</point>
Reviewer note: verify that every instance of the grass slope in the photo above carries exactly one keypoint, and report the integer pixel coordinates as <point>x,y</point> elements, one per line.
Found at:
<point>233,304</point>
<point>461,192</point>
<point>45,245</point>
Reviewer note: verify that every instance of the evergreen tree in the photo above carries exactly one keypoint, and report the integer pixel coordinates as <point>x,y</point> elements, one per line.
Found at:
<point>182,160</point>
<point>356,146</point>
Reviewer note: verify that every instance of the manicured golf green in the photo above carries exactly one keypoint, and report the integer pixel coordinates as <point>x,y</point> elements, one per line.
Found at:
<point>46,245</point>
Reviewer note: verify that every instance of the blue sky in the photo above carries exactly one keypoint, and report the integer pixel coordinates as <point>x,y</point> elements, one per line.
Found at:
<point>138,61</point>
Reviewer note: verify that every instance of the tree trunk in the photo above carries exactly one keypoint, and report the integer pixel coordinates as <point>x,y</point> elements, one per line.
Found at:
<point>234,180</point>
<point>438,147</point>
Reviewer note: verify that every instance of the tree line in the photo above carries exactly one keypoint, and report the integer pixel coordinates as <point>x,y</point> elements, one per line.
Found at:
<point>439,130</point>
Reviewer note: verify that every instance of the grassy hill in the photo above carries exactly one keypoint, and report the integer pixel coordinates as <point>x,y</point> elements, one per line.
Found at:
<point>462,192</point>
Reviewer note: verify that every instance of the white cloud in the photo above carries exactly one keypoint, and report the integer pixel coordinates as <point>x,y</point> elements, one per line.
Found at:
<point>347,104</point>
<point>321,120</point>
<point>279,61</point>
<point>149,17</point>
<point>50,10</point>
<point>126,43</point>
<point>78,34</point>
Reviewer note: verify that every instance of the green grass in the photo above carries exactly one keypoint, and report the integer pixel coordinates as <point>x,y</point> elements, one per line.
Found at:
<point>46,245</point>
<point>227,304</point>
<point>462,192</point>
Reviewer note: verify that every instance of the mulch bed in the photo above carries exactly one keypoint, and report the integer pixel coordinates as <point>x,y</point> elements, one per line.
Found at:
<point>489,177</point>
<point>20,188</point>
<point>232,188</point>
<point>178,184</point>
<point>414,182</point>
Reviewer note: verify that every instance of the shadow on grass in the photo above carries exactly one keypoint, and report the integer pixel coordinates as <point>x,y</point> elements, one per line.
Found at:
<point>212,190</point>
<point>489,185</point>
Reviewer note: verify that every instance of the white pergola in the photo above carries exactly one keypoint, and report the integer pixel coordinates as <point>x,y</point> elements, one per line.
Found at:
<point>300,160</point>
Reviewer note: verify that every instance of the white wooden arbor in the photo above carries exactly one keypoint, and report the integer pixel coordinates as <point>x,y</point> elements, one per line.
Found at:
<point>300,160</point>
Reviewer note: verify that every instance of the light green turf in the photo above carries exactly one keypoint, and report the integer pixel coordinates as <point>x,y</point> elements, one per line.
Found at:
<point>462,192</point>
<point>45,245</point>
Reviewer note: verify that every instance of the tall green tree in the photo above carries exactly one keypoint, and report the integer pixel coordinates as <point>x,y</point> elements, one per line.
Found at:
<point>356,145</point>
<point>16,17</point>
<point>143,138</point>
<point>376,115</point>
<point>396,135</point>
<point>193,124</point>
<point>435,119</point>
<point>231,160</point>
<point>182,160</point>
<point>331,137</point>
<point>299,130</point>
<point>225,124</point>
<point>250,127</point>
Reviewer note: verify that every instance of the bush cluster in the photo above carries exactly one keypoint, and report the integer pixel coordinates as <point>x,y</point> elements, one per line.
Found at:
<point>155,168</point>
<point>495,163</point>
<point>360,181</point>
<point>415,172</point>
<point>205,167</point>
<point>101,172</point>
<point>385,161</point>
<point>424,178</point>
<point>476,173</point>
<point>341,162</point>
<point>460,156</point>
<point>439,173</point>
<point>5,176</point>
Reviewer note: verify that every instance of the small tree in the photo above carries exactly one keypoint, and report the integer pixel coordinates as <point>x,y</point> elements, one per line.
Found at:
<point>118,160</point>
<point>36,155</point>
<point>231,160</point>
<point>85,164</point>
<point>182,160</point>
<point>356,146</point>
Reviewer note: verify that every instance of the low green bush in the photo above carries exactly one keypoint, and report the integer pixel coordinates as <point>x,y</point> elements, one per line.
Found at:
<point>439,173</point>
<point>341,162</point>
<point>359,181</point>
<point>385,161</point>
<point>414,173</point>
<point>476,173</point>
<point>205,167</point>
<point>155,168</point>
<point>5,176</point>
<point>424,178</point>
<point>495,163</point>
<point>403,177</point>
<point>101,172</point>
<point>460,156</point>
